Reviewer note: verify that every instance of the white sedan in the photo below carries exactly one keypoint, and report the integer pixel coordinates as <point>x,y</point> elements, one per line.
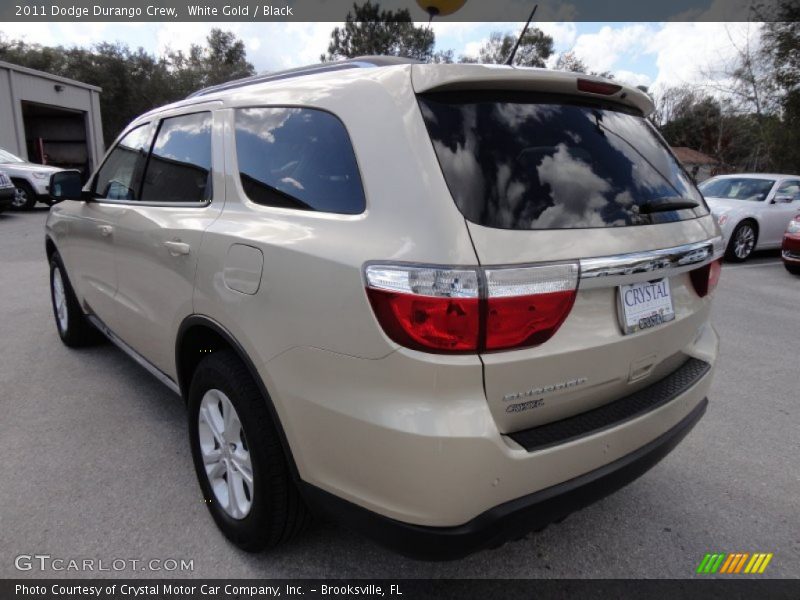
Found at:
<point>752,210</point>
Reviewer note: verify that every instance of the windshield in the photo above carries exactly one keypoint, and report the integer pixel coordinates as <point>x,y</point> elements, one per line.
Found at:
<point>7,157</point>
<point>519,161</point>
<point>737,188</point>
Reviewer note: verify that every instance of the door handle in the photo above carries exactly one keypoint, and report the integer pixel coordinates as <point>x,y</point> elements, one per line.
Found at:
<point>106,230</point>
<point>177,248</point>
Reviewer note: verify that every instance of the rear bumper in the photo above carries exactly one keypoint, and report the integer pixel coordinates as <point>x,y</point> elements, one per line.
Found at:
<point>413,439</point>
<point>510,520</point>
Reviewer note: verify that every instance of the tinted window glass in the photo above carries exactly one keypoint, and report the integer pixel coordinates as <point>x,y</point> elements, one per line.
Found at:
<point>738,188</point>
<point>179,167</point>
<point>119,177</point>
<point>517,162</point>
<point>297,158</point>
<point>789,188</point>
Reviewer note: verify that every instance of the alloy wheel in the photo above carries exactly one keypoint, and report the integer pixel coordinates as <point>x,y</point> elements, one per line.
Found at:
<point>60,300</point>
<point>20,198</point>
<point>744,242</point>
<point>225,454</point>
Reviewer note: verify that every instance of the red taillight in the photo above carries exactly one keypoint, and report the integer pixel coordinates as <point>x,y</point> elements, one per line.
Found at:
<point>527,305</point>
<point>442,310</point>
<point>526,320</point>
<point>430,324</point>
<point>706,278</point>
<point>427,308</point>
<point>598,87</point>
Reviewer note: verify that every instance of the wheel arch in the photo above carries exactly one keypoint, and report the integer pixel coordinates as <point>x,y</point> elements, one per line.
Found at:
<point>49,247</point>
<point>756,221</point>
<point>198,335</point>
<point>16,180</point>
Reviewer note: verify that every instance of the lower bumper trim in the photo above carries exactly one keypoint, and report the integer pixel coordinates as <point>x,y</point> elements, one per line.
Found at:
<point>507,521</point>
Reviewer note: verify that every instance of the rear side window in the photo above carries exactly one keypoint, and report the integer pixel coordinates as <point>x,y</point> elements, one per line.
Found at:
<point>179,167</point>
<point>118,178</point>
<point>515,161</point>
<point>297,158</point>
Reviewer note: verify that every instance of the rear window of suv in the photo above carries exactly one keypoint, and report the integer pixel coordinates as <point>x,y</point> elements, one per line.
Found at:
<point>517,161</point>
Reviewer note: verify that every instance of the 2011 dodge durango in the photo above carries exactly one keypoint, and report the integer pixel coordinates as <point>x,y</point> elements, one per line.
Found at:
<point>444,304</point>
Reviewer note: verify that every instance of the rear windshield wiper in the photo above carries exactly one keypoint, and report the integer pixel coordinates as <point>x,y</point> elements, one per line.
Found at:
<point>665,204</point>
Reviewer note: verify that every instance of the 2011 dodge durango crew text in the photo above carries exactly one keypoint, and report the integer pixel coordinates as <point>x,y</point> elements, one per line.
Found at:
<point>444,304</point>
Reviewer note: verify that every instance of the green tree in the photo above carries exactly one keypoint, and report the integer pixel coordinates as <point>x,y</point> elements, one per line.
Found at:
<point>569,61</point>
<point>135,81</point>
<point>368,30</point>
<point>222,59</point>
<point>534,49</point>
<point>781,50</point>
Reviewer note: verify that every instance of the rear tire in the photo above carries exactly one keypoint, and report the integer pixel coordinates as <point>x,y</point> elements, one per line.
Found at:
<point>241,466</point>
<point>743,242</point>
<point>793,269</point>
<point>73,327</point>
<point>25,198</point>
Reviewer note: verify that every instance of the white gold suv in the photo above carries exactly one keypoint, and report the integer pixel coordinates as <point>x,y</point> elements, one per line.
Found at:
<point>444,304</point>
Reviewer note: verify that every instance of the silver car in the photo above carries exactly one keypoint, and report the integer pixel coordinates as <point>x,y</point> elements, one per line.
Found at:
<point>443,304</point>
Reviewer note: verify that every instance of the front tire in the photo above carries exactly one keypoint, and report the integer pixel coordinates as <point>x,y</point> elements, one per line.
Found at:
<point>24,197</point>
<point>793,269</point>
<point>743,242</point>
<point>73,327</point>
<point>240,463</point>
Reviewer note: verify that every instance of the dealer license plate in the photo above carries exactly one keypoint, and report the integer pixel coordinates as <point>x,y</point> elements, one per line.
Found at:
<point>645,305</point>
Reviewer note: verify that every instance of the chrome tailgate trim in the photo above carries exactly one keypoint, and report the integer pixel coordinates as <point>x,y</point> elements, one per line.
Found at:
<point>609,271</point>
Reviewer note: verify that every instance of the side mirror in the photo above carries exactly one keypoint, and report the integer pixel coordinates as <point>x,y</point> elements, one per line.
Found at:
<point>66,185</point>
<point>782,199</point>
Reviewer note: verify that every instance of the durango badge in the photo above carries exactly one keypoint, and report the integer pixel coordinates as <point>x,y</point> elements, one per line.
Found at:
<point>547,389</point>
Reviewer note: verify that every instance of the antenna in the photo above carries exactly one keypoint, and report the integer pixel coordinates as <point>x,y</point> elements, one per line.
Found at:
<point>510,59</point>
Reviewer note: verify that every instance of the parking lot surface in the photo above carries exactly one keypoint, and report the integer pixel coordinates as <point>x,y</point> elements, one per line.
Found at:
<point>95,463</point>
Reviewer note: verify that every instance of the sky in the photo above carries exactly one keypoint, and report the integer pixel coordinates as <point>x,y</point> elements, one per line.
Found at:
<point>651,54</point>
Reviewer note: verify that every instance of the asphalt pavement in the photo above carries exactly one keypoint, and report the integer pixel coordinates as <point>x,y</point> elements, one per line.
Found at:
<point>95,463</point>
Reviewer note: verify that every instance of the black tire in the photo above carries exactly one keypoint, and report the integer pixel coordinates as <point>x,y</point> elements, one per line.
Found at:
<point>793,269</point>
<point>76,330</point>
<point>746,230</point>
<point>25,194</point>
<point>277,512</point>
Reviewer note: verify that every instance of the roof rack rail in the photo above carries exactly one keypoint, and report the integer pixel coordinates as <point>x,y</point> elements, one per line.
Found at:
<point>360,62</point>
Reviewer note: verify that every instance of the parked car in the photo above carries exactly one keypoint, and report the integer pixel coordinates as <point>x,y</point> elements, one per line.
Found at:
<point>790,250</point>
<point>752,210</point>
<point>30,179</point>
<point>443,304</point>
<point>7,191</point>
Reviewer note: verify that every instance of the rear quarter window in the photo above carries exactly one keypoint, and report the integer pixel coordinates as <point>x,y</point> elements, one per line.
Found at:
<point>517,161</point>
<point>297,158</point>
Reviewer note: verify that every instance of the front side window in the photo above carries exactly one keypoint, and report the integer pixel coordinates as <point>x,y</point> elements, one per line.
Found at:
<point>118,178</point>
<point>523,161</point>
<point>737,188</point>
<point>179,167</point>
<point>297,158</point>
